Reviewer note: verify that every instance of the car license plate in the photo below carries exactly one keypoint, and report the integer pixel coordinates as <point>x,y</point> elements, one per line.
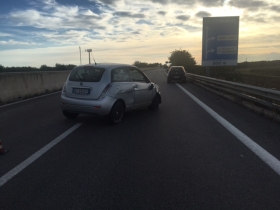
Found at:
<point>83,91</point>
<point>176,77</point>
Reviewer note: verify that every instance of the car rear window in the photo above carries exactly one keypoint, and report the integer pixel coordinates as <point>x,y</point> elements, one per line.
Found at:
<point>177,70</point>
<point>86,74</point>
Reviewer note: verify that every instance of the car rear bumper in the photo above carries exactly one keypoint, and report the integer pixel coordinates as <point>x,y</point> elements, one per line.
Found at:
<point>98,107</point>
<point>178,79</point>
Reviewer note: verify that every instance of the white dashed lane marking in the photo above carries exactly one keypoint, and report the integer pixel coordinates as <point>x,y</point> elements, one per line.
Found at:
<point>36,155</point>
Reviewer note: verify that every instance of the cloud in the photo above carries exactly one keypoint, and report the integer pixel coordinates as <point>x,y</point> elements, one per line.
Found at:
<point>248,4</point>
<point>129,15</point>
<point>135,32</point>
<point>202,14</point>
<point>275,8</point>
<point>260,18</point>
<point>69,37</point>
<point>5,34</point>
<point>13,42</point>
<point>106,2</point>
<point>52,23</point>
<point>183,17</point>
<point>62,18</point>
<point>144,22</point>
<point>50,2</point>
<point>208,3</point>
<point>162,13</point>
<point>88,12</point>
<point>105,22</point>
<point>212,3</point>
<point>66,11</point>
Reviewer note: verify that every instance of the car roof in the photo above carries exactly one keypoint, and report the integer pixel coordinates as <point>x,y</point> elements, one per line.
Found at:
<point>107,65</point>
<point>177,66</point>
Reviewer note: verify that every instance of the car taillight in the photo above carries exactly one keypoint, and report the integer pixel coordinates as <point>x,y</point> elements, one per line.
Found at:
<point>104,92</point>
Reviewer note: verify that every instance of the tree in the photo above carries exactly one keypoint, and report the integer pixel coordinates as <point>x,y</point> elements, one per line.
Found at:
<point>45,68</point>
<point>140,64</point>
<point>182,58</point>
<point>64,67</point>
<point>2,68</point>
<point>137,63</point>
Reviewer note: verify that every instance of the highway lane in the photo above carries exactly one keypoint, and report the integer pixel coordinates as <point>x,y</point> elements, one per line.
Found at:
<point>176,158</point>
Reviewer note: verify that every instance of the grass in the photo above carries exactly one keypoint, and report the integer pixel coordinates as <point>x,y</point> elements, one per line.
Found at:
<point>264,76</point>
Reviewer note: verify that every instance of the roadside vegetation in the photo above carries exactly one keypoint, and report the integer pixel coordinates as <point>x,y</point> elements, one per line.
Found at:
<point>182,58</point>
<point>264,74</point>
<point>57,67</point>
<point>140,64</point>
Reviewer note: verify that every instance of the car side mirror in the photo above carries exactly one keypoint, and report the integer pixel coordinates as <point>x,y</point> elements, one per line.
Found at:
<point>151,86</point>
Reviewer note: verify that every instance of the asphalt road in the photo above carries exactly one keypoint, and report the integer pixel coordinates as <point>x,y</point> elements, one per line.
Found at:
<point>178,157</point>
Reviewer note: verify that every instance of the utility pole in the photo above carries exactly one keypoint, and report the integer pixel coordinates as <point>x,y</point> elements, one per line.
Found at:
<point>89,51</point>
<point>80,56</point>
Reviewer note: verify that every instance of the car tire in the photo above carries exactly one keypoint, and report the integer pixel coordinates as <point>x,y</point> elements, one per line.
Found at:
<point>116,113</point>
<point>155,103</point>
<point>70,115</point>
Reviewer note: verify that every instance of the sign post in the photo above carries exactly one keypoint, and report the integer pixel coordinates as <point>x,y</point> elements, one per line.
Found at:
<point>220,41</point>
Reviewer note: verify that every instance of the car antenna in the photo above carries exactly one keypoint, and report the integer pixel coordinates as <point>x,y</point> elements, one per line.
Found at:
<point>93,58</point>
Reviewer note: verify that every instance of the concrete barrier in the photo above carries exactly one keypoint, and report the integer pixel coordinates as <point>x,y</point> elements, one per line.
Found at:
<point>17,86</point>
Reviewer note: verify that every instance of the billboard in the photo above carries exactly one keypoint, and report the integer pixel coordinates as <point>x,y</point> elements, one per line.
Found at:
<point>220,41</point>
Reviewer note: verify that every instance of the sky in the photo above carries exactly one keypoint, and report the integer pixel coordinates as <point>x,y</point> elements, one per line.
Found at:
<point>46,32</point>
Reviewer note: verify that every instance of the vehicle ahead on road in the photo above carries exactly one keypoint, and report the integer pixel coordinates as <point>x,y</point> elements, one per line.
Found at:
<point>107,89</point>
<point>176,74</point>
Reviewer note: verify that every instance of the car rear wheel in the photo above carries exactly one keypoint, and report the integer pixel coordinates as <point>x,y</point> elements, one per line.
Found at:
<point>116,113</point>
<point>70,115</point>
<point>155,103</point>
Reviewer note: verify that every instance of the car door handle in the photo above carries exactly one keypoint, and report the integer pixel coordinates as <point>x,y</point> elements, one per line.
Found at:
<point>135,86</point>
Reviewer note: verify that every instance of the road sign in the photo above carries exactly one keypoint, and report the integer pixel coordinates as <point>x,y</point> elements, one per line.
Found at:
<point>220,41</point>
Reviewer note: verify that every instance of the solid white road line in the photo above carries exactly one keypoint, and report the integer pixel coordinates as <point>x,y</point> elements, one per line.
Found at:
<point>269,159</point>
<point>36,155</point>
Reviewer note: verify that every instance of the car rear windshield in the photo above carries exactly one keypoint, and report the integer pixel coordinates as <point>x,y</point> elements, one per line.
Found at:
<point>86,74</point>
<point>177,70</point>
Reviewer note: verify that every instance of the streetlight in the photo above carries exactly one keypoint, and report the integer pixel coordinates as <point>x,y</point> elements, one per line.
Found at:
<point>89,51</point>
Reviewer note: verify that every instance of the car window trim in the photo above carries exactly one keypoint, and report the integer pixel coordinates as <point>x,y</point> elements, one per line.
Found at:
<point>147,80</point>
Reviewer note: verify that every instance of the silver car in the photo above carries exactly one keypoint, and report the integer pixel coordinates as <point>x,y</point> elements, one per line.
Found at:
<point>107,89</point>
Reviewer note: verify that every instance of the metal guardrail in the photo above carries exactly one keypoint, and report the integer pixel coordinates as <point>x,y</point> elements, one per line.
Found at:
<point>267,97</point>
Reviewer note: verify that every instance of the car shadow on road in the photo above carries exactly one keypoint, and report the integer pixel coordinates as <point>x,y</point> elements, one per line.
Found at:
<point>137,116</point>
